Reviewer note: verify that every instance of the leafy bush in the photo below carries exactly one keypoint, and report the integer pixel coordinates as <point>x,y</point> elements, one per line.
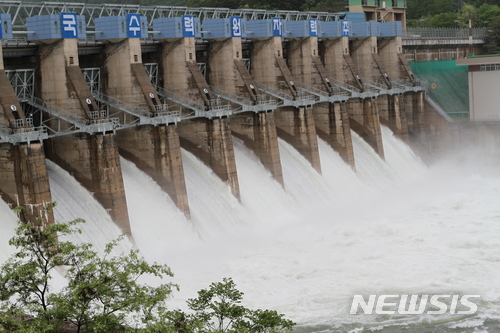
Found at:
<point>102,293</point>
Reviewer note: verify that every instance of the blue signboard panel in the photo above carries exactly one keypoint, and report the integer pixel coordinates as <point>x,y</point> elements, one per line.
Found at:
<point>5,26</point>
<point>69,25</point>
<point>62,25</point>
<point>188,25</point>
<point>313,28</point>
<point>236,28</point>
<point>134,26</point>
<point>277,27</point>
<point>346,30</point>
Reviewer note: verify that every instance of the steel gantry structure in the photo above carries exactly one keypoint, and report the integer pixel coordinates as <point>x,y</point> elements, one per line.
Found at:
<point>21,10</point>
<point>124,115</point>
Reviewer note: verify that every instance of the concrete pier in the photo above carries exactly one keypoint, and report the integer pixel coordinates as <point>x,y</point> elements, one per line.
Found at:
<point>25,182</point>
<point>331,119</point>
<point>257,130</point>
<point>92,159</point>
<point>23,174</point>
<point>209,139</point>
<point>364,116</point>
<point>154,149</point>
<point>390,61</point>
<point>294,124</point>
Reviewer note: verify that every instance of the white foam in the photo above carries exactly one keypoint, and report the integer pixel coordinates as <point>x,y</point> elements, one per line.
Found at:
<point>394,226</point>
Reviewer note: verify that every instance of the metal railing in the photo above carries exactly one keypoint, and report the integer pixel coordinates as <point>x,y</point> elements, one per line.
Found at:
<point>285,99</point>
<point>198,110</point>
<point>76,123</point>
<point>408,86</point>
<point>22,135</point>
<point>19,10</point>
<point>160,114</point>
<point>215,109</point>
<point>354,92</point>
<point>444,33</point>
<point>246,105</point>
<point>322,96</point>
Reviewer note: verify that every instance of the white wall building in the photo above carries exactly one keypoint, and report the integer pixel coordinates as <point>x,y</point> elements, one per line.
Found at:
<point>484,87</point>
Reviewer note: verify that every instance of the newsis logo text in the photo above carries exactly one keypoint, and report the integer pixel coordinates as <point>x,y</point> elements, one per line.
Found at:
<point>414,304</point>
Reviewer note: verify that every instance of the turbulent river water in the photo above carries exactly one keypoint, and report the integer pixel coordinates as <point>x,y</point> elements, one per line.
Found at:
<point>392,227</point>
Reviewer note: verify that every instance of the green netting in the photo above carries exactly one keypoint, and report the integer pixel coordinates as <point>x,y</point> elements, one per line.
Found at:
<point>448,84</point>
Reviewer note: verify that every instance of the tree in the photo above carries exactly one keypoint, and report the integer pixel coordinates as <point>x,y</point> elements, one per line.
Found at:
<point>219,309</point>
<point>488,13</point>
<point>100,293</point>
<point>466,14</point>
<point>417,8</point>
<point>444,20</point>
<point>493,42</point>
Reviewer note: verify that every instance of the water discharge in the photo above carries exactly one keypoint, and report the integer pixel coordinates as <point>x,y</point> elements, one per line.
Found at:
<point>391,227</point>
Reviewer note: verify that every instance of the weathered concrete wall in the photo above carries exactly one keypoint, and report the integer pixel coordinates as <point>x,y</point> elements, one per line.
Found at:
<point>24,180</point>
<point>209,139</point>
<point>180,72</point>
<point>155,150</point>
<point>221,71</point>
<point>363,52</point>
<point>23,174</point>
<point>390,50</point>
<point>295,125</point>
<point>415,113</point>
<point>302,67</point>
<point>258,132</point>
<point>335,58</point>
<point>92,160</point>
<point>332,125</point>
<point>437,136</point>
<point>226,71</point>
<point>364,120</point>
<point>363,113</point>
<point>331,119</point>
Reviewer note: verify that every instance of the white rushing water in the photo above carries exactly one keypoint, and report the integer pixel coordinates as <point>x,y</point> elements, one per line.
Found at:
<point>391,227</point>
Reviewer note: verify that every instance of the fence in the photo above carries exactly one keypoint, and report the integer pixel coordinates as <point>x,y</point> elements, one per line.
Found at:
<point>444,33</point>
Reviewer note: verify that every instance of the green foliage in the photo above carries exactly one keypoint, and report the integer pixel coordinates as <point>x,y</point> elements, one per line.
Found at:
<point>488,13</point>
<point>493,42</point>
<point>103,293</point>
<point>100,292</point>
<point>444,20</point>
<point>219,309</point>
<point>417,8</point>
<point>468,13</point>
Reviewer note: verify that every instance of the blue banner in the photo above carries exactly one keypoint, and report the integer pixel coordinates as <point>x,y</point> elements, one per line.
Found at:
<point>188,25</point>
<point>277,27</point>
<point>236,29</point>
<point>313,28</point>
<point>134,26</point>
<point>69,25</point>
<point>346,30</point>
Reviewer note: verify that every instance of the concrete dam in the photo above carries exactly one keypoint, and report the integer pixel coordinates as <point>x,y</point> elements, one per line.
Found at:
<point>83,87</point>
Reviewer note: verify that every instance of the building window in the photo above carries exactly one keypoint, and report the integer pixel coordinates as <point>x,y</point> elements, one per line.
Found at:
<point>490,67</point>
